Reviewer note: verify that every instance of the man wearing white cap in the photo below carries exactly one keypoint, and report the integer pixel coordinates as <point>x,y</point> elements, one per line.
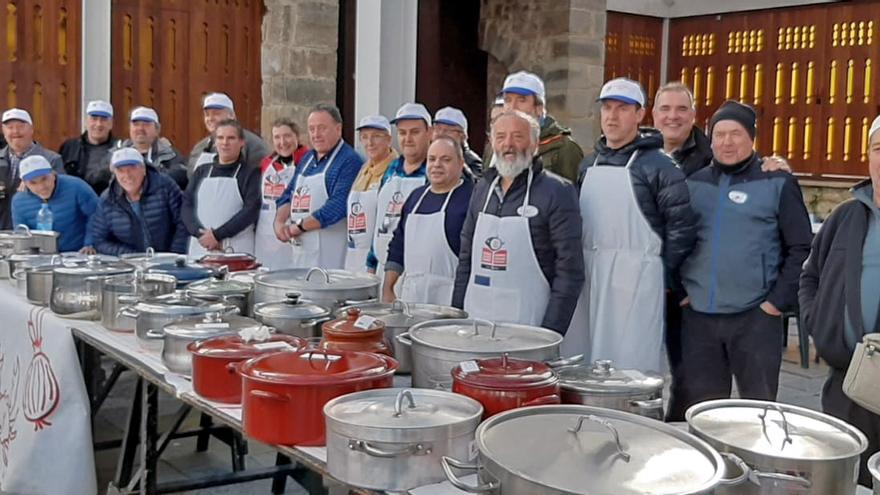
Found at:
<point>86,155</point>
<point>557,149</point>
<point>217,107</point>
<point>450,121</point>
<point>839,294</point>
<point>374,132</point>
<point>140,210</point>
<point>58,202</point>
<point>144,135</point>
<point>404,175</point>
<point>18,131</point>
<point>638,226</point>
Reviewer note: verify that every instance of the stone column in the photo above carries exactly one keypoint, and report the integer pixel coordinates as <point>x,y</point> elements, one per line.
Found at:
<point>560,40</point>
<point>300,38</point>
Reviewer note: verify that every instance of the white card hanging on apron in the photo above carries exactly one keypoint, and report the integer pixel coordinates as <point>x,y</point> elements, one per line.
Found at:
<point>271,252</point>
<point>392,195</point>
<point>361,220</point>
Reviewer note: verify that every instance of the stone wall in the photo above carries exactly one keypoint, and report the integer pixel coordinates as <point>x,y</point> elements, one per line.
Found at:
<point>300,38</point>
<point>560,40</point>
<point>821,200</point>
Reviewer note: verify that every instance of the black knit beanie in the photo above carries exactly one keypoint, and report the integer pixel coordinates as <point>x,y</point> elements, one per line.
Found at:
<point>738,112</point>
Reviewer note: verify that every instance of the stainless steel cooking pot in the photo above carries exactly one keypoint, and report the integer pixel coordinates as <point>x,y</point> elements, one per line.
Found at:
<point>13,263</point>
<point>439,345</point>
<point>157,312</point>
<point>23,240</point>
<point>329,288</point>
<point>237,292</point>
<point>76,288</point>
<point>779,449</point>
<point>293,316</point>
<point>38,284</point>
<point>600,384</point>
<point>120,291</point>
<point>149,258</point>
<point>399,317</point>
<point>392,439</point>
<point>874,467</point>
<point>573,449</point>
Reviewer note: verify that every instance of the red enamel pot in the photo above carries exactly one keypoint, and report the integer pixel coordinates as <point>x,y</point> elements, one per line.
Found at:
<point>505,383</point>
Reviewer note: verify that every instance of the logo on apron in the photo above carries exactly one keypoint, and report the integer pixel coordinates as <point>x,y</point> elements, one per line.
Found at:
<point>357,220</point>
<point>302,200</point>
<point>493,256</point>
<point>273,187</point>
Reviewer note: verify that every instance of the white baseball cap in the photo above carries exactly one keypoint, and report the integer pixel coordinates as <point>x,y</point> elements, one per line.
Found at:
<point>412,111</point>
<point>99,108</point>
<point>875,126</point>
<point>624,90</point>
<point>218,101</point>
<point>126,157</point>
<point>144,114</point>
<point>17,114</point>
<point>524,83</point>
<point>34,166</point>
<point>379,122</point>
<point>451,116</point>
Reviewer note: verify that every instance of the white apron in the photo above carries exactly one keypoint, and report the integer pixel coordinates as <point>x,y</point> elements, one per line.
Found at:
<point>620,311</point>
<point>361,208</point>
<point>325,247</point>
<point>269,251</point>
<point>218,200</point>
<point>392,195</point>
<point>506,282</point>
<point>429,263</point>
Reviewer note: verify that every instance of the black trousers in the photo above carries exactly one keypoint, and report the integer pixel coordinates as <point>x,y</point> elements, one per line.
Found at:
<point>673,353</point>
<point>837,404</point>
<point>715,348</point>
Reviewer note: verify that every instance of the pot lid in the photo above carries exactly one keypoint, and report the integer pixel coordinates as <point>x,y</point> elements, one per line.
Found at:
<point>149,258</point>
<point>220,287</point>
<point>183,271</point>
<point>93,266</point>
<point>394,408</point>
<point>293,308</point>
<point>316,367</point>
<point>590,450</point>
<point>132,282</point>
<point>354,324</point>
<point>234,347</point>
<point>874,467</point>
<point>36,259</point>
<point>774,429</point>
<point>504,373</point>
<point>210,324</point>
<point>178,303</point>
<point>22,231</point>
<point>482,336</point>
<point>400,314</point>
<point>602,377</point>
<point>316,279</point>
<point>226,257</point>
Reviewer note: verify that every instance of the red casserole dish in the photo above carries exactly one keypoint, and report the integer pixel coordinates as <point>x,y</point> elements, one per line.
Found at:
<point>505,383</point>
<point>234,262</point>
<point>214,362</point>
<point>283,393</point>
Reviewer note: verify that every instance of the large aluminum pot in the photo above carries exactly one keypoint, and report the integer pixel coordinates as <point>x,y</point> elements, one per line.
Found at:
<point>18,262</point>
<point>237,292</point>
<point>329,288</point>
<point>76,288</point>
<point>183,271</point>
<point>392,439</point>
<point>440,345</point>
<point>120,291</point>
<point>600,384</point>
<point>38,284</point>
<point>572,449</point>
<point>155,313</point>
<point>399,317</point>
<point>779,449</point>
<point>24,240</point>
<point>874,467</point>
<point>149,258</point>
<point>293,316</point>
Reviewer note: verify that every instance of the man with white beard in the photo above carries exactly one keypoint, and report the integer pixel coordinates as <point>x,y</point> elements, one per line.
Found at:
<point>521,259</point>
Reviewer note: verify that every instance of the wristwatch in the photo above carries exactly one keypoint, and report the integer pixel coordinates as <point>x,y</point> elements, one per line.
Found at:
<point>299,225</point>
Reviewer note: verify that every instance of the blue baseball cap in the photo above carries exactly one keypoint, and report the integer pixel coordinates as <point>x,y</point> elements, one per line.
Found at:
<point>33,167</point>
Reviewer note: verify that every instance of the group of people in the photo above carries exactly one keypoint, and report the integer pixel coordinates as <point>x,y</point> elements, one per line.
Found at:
<point>665,247</point>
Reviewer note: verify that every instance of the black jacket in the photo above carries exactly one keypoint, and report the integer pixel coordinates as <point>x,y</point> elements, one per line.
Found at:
<point>660,190</point>
<point>75,154</point>
<point>831,281</point>
<point>695,153</point>
<point>555,232</point>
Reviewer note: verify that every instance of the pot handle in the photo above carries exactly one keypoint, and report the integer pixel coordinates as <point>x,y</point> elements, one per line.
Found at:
<point>567,361</point>
<point>319,270</point>
<point>128,312</point>
<point>763,417</point>
<point>398,403</point>
<point>608,426</point>
<point>402,306</point>
<point>233,367</point>
<point>404,339</point>
<point>265,394</point>
<point>22,228</point>
<point>353,302</point>
<point>449,463</point>
<point>155,334</point>
<point>478,321</point>
<point>373,451</point>
<point>545,400</point>
<point>746,470</point>
<point>649,407</point>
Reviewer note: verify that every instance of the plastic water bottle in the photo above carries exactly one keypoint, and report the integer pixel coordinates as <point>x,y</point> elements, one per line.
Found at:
<point>45,218</point>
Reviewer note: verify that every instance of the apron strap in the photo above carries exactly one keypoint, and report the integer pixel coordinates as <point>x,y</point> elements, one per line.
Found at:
<point>211,172</point>
<point>528,191</point>
<point>632,158</point>
<point>490,192</point>
<point>235,175</point>
<point>449,195</point>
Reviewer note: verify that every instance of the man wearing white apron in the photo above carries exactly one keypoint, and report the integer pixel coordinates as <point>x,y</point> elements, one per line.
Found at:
<point>374,133</point>
<point>521,258</point>
<point>404,175</point>
<point>277,171</point>
<point>311,212</point>
<point>637,223</point>
<point>426,261</point>
<point>222,201</point>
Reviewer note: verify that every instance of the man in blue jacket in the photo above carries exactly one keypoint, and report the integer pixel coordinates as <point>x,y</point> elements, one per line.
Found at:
<point>70,202</point>
<point>753,237</point>
<point>140,209</point>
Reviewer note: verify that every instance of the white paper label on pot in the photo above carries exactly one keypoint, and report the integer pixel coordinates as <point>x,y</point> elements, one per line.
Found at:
<point>364,322</point>
<point>268,346</point>
<point>472,450</point>
<point>212,325</point>
<point>469,366</point>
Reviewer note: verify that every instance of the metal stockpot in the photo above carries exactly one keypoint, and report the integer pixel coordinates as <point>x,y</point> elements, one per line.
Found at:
<point>22,240</point>
<point>38,284</point>
<point>600,384</point>
<point>874,467</point>
<point>329,288</point>
<point>149,258</point>
<point>120,291</point>
<point>399,317</point>
<point>76,288</point>
<point>779,449</point>
<point>157,312</point>
<point>237,292</point>
<point>293,316</point>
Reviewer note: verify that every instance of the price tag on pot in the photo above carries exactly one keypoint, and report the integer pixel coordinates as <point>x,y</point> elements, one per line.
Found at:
<point>271,346</point>
<point>364,322</point>
<point>469,366</point>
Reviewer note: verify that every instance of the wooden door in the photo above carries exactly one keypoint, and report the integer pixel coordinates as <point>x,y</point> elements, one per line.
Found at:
<point>40,65</point>
<point>168,54</point>
<point>632,49</point>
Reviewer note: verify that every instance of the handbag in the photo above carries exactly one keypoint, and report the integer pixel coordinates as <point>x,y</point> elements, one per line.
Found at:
<point>862,381</point>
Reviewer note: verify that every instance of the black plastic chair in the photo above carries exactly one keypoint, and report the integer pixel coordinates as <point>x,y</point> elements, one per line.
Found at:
<point>803,338</point>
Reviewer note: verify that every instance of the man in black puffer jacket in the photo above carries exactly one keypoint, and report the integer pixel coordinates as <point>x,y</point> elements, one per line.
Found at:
<point>638,226</point>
